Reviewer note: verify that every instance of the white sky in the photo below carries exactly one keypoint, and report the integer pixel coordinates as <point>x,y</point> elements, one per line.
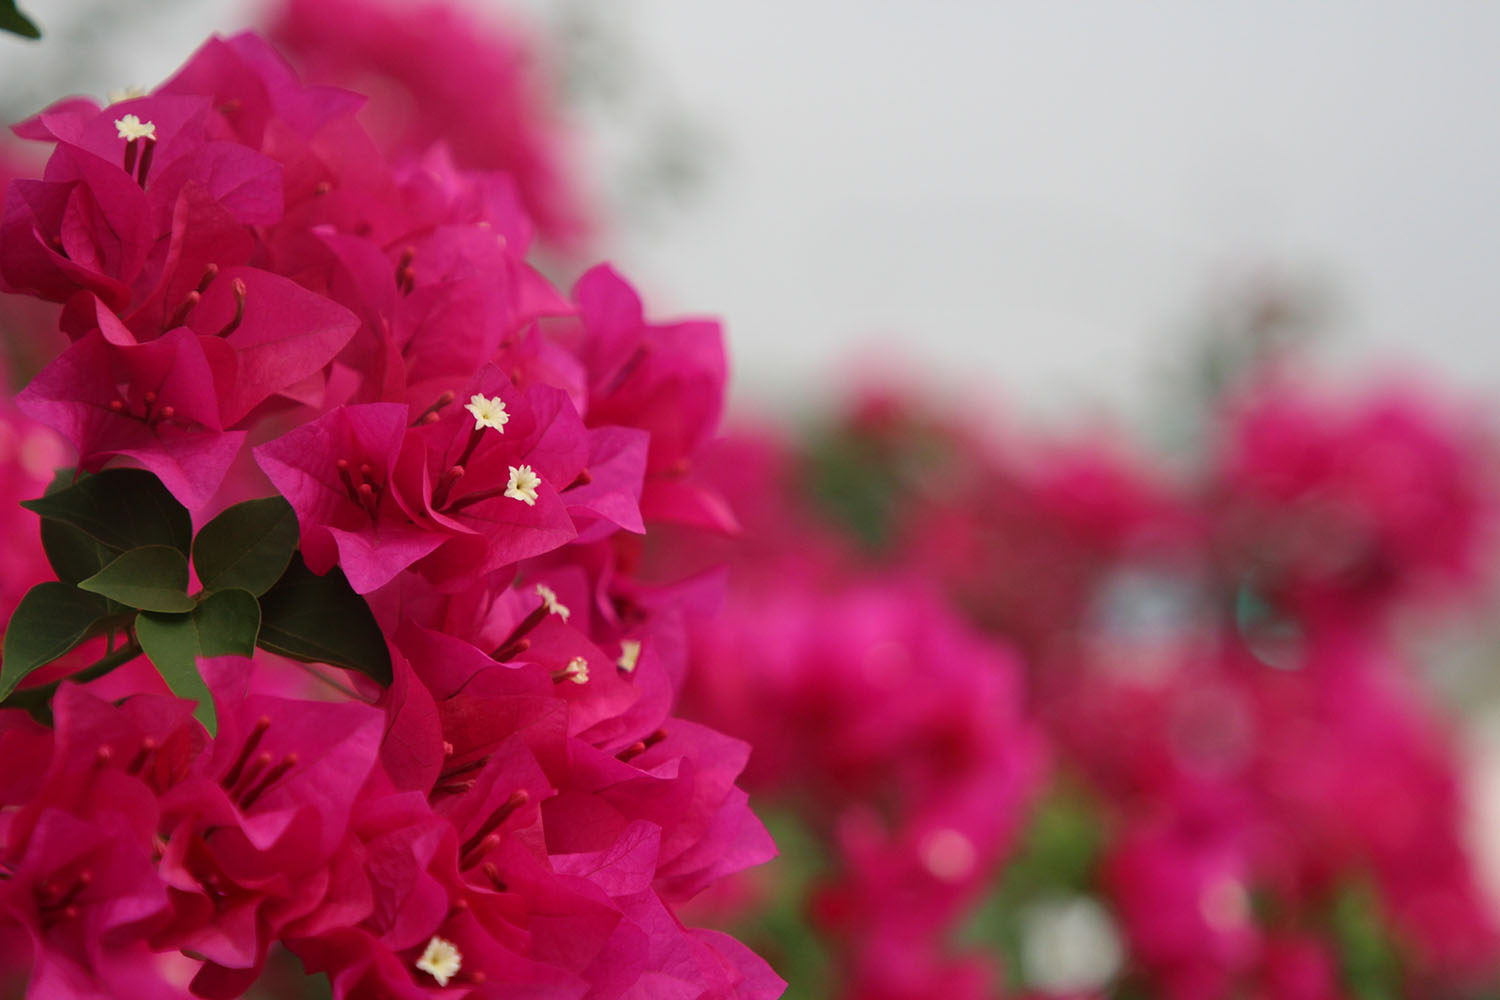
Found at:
<point>1042,193</point>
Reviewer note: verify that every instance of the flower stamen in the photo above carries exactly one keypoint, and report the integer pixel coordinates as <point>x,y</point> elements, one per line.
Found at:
<point>441,960</point>
<point>488,411</point>
<point>551,603</point>
<point>523,484</point>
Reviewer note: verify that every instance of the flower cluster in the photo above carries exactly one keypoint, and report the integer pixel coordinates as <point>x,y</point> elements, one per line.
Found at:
<point>498,800</point>
<point>1248,790</point>
<point>423,64</point>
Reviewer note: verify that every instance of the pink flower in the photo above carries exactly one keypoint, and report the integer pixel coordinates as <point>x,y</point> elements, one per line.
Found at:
<point>166,418</point>
<point>1340,508</point>
<point>424,65</point>
<point>29,452</point>
<point>667,379</point>
<point>257,834</point>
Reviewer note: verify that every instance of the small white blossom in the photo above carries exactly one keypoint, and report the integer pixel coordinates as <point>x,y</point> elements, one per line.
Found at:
<point>489,411</point>
<point>523,484</point>
<point>630,655</point>
<point>549,598</point>
<point>576,671</point>
<point>441,960</point>
<point>133,128</point>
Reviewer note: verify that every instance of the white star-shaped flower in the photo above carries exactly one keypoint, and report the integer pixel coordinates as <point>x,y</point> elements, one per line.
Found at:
<point>441,960</point>
<point>133,128</point>
<point>523,484</point>
<point>489,411</point>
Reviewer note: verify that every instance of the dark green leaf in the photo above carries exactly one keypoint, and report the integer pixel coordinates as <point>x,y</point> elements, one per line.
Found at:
<point>248,546</point>
<point>15,22</point>
<point>74,555</point>
<point>152,578</point>
<point>223,624</point>
<point>122,508</point>
<point>320,619</point>
<point>51,619</point>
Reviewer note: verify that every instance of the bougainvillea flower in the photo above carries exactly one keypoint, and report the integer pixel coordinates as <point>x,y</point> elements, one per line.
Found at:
<point>465,291</point>
<point>1339,507</point>
<point>59,237</point>
<point>496,493</point>
<point>667,379</point>
<point>336,472</point>
<point>256,832</point>
<point>425,65</point>
<point>88,896</point>
<point>263,335</point>
<point>119,233</point>
<point>152,403</point>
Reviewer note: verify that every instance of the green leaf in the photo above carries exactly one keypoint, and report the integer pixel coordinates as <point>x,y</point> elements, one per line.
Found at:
<point>121,508</point>
<point>223,624</point>
<point>74,555</point>
<point>1367,950</point>
<point>248,546</point>
<point>15,22</point>
<point>51,619</point>
<point>320,619</point>
<point>152,578</point>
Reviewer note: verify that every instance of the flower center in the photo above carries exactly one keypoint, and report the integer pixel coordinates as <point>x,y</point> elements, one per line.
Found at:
<point>488,411</point>
<point>523,484</point>
<point>440,960</point>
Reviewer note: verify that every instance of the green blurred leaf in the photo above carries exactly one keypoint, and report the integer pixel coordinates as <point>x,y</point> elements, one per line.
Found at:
<point>152,578</point>
<point>853,485</point>
<point>13,21</point>
<point>1367,951</point>
<point>121,508</point>
<point>248,546</point>
<point>225,623</point>
<point>320,619</point>
<point>51,619</point>
<point>779,930</point>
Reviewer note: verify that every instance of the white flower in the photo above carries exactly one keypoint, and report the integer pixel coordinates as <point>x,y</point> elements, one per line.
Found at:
<point>133,128</point>
<point>549,598</point>
<point>489,411</point>
<point>630,655</point>
<point>441,960</point>
<point>523,484</point>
